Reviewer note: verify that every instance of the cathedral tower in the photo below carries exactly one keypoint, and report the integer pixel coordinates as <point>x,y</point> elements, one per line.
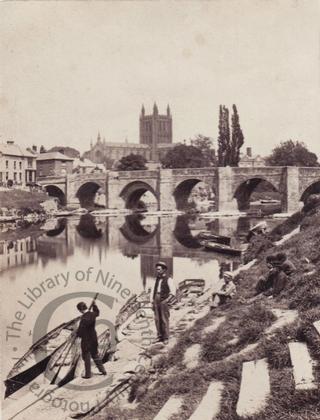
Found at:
<point>155,130</point>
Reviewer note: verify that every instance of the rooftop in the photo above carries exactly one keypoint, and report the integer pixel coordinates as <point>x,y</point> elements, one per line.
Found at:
<point>12,149</point>
<point>53,156</point>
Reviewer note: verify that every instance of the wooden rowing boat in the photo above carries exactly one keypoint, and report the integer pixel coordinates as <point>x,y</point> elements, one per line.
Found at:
<point>131,306</point>
<point>63,365</point>
<point>224,249</point>
<point>220,239</point>
<point>36,359</point>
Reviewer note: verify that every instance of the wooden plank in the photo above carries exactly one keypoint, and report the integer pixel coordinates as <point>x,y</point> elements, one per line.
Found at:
<point>209,406</point>
<point>254,389</point>
<point>171,407</point>
<point>302,366</point>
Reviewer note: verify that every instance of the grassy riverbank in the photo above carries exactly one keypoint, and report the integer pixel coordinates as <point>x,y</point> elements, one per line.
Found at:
<point>242,337</point>
<point>19,199</point>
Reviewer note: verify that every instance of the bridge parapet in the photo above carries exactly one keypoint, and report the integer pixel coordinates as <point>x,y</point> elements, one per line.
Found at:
<point>194,171</point>
<point>51,180</point>
<point>133,174</point>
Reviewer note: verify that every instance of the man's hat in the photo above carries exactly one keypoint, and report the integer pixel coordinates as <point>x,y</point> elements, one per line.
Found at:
<point>228,275</point>
<point>161,264</point>
<point>82,306</point>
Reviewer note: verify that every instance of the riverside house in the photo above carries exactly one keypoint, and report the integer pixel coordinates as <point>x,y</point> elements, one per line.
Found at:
<point>53,164</point>
<point>17,165</point>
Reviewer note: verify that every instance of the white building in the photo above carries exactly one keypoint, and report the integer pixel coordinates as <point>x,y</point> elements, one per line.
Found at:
<point>17,165</point>
<point>249,161</point>
<point>86,166</point>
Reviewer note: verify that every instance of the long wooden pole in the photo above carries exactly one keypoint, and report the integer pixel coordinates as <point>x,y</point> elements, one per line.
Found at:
<point>72,341</point>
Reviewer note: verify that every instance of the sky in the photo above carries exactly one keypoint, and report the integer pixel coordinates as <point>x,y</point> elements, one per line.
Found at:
<point>71,69</point>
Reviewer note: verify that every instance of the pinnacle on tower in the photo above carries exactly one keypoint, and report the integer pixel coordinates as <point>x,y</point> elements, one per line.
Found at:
<point>143,111</point>
<point>99,138</point>
<point>168,110</point>
<point>155,109</point>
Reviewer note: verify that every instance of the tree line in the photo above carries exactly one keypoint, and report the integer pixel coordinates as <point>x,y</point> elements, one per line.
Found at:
<point>202,153</point>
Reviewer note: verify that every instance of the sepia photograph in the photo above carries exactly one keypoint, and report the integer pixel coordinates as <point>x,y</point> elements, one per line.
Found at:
<point>160,210</point>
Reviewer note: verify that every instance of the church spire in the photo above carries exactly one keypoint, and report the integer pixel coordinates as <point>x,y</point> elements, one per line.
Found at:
<point>99,138</point>
<point>155,109</point>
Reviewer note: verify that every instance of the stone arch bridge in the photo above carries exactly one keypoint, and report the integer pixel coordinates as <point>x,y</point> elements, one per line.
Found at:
<point>232,186</point>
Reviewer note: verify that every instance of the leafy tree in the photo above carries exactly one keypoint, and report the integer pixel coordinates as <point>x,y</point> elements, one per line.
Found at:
<point>205,144</point>
<point>132,162</point>
<point>292,153</point>
<point>237,138</point>
<point>66,150</point>
<point>183,156</point>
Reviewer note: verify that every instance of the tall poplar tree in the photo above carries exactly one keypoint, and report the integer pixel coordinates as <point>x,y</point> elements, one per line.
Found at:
<point>237,138</point>
<point>224,136</point>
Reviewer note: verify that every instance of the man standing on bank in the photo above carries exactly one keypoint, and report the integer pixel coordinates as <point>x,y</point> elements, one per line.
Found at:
<point>164,291</point>
<point>89,340</point>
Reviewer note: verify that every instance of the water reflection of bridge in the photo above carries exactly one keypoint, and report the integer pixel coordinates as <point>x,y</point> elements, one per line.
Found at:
<point>151,239</point>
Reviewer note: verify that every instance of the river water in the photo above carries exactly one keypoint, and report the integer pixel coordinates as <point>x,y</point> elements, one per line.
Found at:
<point>74,258</point>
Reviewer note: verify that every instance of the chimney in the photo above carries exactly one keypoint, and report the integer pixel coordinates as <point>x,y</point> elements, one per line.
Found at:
<point>34,148</point>
<point>249,152</point>
<point>10,142</point>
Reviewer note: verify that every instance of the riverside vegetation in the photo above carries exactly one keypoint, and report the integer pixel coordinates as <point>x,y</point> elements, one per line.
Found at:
<point>242,337</point>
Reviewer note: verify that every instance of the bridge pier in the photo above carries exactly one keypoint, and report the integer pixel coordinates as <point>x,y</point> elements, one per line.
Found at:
<point>291,202</point>
<point>166,198</point>
<point>113,199</point>
<point>225,199</point>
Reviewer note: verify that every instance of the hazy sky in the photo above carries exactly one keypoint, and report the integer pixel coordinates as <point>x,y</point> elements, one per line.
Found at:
<point>71,69</point>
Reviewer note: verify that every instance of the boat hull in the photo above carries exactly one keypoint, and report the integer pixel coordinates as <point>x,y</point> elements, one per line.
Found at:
<point>213,247</point>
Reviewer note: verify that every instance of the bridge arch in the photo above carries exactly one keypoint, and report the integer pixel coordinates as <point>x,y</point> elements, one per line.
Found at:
<point>87,227</point>
<point>183,234</point>
<point>56,192</point>
<point>59,228</point>
<point>244,190</point>
<point>313,188</point>
<point>183,190</point>
<point>135,232</point>
<point>132,193</point>
<point>86,193</point>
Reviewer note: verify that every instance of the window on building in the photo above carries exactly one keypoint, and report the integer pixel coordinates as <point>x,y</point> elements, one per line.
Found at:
<point>7,176</point>
<point>14,164</point>
<point>20,176</point>
<point>29,162</point>
<point>7,164</point>
<point>14,176</point>
<point>1,177</point>
<point>20,165</point>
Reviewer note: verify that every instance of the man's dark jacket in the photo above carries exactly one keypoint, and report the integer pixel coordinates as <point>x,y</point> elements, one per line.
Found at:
<point>86,330</point>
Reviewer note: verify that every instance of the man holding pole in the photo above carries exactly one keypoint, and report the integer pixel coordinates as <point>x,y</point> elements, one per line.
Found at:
<point>89,340</point>
<point>164,291</point>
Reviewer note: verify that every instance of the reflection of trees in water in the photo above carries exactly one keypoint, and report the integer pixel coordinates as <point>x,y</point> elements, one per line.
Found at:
<point>87,227</point>
<point>183,233</point>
